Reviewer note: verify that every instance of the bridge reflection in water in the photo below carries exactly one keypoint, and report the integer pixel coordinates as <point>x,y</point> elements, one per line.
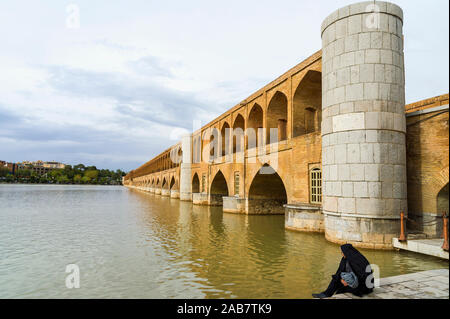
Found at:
<point>221,255</point>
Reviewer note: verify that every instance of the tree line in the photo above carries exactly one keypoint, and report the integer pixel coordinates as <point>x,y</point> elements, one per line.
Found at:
<point>78,174</point>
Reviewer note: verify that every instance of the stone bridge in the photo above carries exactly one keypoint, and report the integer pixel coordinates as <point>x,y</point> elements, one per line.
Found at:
<point>323,144</point>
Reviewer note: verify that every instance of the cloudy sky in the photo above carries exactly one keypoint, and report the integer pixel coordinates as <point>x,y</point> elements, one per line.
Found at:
<point>113,90</point>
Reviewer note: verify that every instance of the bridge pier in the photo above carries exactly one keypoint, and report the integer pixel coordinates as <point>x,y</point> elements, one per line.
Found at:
<point>234,205</point>
<point>200,199</point>
<point>174,194</point>
<point>307,218</point>
<point>186,169</point>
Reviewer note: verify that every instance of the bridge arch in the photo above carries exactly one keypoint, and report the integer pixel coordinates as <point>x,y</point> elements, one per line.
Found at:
<point>442,200</point>
<point>254,122</point>
<point>172,183</point>
<point>218,189</point>
<point>196,149</point>
<point>307,107</point>
<point>225,139</point>
<point>164,183</point>
<point>195,184</point>
<point>238,133</point>
<point>277,116</point>
<point>267,193</point>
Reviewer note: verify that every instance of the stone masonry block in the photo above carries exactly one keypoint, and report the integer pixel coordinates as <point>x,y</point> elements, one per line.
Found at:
<point>376,40</point>
<point>366,153</point>
<point>341,29</point>
<point>387,173</point>
<point>374,189</point>
<point>399,190</point>
<point>386,56</point>
<point>370,91</point>
<point>360,189</point>
<point>357,172</point>
<point>372,120</point>
<point>364,41</point>
<point>379,73</point>
<point>380,153</point>
<point>346,108</point>
<point>354,92</point>
<point>346,122</point>
<point>360,57</point>
<point>347,189</point>
<point>357,136</point>
<point>386,189</point>
<point>372,173</point>
<point>344,172</point>
<point>346,205</point>
<point>333,173</point>
<point>371,136</point>
<point>372,56</point>
<point>339,46</point>
<point>343,77</point>
<point>386,41</point>
<point>354,74</point>
<point>347,59</point>
<point>351,43</point>
<point>367,73</point>
<point>341,154</point>
<point>353,153</point>
<point>354,24</point>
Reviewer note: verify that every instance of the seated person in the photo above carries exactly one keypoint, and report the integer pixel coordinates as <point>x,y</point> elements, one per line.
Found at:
<point>351,275</point>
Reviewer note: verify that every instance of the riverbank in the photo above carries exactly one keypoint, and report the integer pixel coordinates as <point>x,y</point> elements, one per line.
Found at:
<point>430,284</point>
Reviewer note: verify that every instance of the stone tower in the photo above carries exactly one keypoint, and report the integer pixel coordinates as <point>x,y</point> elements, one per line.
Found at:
<point>185,169</point>
<point>363,124</point>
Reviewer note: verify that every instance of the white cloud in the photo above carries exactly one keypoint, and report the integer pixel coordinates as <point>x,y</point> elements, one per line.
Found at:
<point>112,91</point>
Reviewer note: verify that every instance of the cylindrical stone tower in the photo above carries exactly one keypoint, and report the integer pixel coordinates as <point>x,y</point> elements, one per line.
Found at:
<point>185,169</point>
<point>363,124</point>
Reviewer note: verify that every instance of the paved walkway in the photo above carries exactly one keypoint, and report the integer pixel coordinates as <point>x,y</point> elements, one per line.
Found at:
<point>432,247</point>
<point>430,284</point>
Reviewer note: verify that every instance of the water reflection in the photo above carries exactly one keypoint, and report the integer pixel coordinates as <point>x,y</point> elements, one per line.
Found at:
<point>131,244</point>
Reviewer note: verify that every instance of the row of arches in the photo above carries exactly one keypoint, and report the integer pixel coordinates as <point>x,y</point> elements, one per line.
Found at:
<point>246,134</point>
<point>164,183</point>
<point>266,185</point>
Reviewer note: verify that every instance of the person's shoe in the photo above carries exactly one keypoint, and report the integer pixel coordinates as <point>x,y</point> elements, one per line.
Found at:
<point>320,296</point>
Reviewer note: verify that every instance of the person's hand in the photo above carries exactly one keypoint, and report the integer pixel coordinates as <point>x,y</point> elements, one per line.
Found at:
<point>344,282</point>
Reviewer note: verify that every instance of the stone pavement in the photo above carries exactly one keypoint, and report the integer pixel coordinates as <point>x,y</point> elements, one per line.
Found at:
<point>431,247</point>
<point>430,284</point>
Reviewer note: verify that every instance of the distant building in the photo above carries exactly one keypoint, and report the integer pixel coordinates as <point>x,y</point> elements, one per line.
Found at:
<point>12,167</point>
<point>40,167</point>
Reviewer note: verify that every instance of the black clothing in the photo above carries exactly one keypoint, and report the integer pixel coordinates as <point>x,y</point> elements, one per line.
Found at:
<point>354,262</point>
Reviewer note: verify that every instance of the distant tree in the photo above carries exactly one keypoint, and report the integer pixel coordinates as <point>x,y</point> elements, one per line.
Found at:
<point>85,180</point>
<point>69,171</point>
<point>23,173</point>
<point>4,171</point>
<point>77,179</point>
<point>92,175</point>
<point>43,179</point>
<point>78,174</point>
<point>62,179</point>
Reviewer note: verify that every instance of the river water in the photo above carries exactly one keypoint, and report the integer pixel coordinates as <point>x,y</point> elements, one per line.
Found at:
<point>131,244</point>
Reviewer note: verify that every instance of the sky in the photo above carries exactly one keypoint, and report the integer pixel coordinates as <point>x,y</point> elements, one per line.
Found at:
<point>114,83</point>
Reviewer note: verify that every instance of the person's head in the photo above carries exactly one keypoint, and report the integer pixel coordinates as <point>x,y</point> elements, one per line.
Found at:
<point>345,249</point>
